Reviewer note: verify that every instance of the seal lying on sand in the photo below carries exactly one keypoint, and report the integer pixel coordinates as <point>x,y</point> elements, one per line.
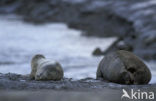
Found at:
<point>44,69</point>
<point>123,67</point>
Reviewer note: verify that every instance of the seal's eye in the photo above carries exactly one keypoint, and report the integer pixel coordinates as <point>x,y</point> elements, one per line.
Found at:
<point>132,70</point>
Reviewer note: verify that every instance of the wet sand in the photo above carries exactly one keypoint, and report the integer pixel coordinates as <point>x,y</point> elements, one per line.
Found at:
<point>51,95</point>
<point>105,94</point>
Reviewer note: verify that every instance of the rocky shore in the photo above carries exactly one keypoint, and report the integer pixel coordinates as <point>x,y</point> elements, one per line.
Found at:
<point>12,81</point>
<point>14,87</point>
<point>133,22</point>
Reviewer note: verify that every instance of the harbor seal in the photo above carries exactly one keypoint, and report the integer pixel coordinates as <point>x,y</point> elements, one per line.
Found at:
<point>123,67</point>
<point>45,69</point>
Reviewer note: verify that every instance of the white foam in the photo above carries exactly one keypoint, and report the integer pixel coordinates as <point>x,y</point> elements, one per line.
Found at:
<point>152,67</point>
<point>143,4</point>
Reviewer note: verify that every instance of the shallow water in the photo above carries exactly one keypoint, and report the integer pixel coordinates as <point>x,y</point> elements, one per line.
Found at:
<point>20,41</point>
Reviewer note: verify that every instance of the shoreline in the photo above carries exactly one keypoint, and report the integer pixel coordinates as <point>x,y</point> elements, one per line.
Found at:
<point>14,88</point>
<point>12,81</point>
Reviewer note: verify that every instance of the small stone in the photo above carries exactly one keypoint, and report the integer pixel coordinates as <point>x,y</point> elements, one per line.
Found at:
<point>97,52</point>
<point>123,46</point>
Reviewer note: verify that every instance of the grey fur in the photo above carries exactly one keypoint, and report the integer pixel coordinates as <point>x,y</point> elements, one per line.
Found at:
<point>123,67</point>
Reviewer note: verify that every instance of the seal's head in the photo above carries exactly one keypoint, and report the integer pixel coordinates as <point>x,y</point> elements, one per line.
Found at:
<point>136,70</point>
<point>37,57</point>
<point>50,72</point>
<point>135,76</point>
<point>34,64</point>
<point>126,78</point>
